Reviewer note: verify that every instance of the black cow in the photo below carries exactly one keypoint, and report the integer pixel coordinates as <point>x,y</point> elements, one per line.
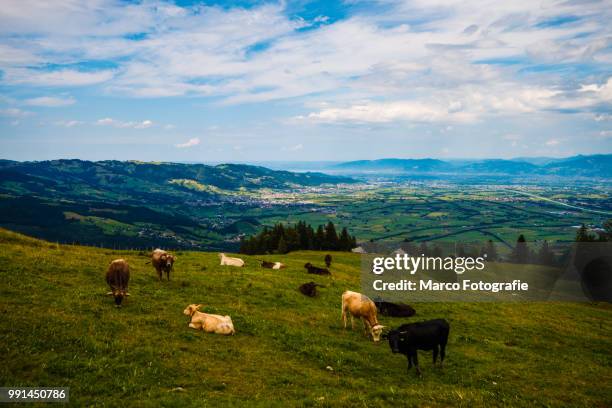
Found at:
<point>427,335</point>
<point>394,309</point>
<point>316,270</point>
<point>266,264</point>
<point>310,289</point>
<point>328,260</point>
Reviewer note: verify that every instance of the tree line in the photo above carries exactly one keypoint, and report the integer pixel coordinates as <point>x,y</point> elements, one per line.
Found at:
<point>282,239</point>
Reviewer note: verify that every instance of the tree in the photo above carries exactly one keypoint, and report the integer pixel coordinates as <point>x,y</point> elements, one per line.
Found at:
<point>520,253</point>
<point>319,238</point>
<point>331,236</point>
<point>545,255</point>
<point>282,246</point>
<point>344,242</point>
<point>583,235</point>
<point>490,251</point>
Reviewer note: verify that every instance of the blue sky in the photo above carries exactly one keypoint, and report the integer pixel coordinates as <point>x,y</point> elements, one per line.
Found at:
<point>304,80</point>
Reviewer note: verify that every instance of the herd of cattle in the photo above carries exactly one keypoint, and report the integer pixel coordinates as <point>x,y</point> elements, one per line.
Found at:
<point>406,339</point>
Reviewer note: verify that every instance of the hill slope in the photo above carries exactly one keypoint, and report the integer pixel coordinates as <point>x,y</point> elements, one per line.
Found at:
<point>59,329</point>
<point>135,204</point>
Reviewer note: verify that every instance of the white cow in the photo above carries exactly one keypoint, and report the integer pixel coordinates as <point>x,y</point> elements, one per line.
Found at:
<point>229,261</point>
<point>210,323</point>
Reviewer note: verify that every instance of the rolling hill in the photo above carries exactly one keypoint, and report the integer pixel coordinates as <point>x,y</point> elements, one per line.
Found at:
<point>59,329</point>
<point>136,204</point>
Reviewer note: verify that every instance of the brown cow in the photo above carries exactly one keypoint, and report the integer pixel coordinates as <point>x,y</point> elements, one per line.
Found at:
<point>117,277</point>
<point>360,306</point>
<point>162,262</point>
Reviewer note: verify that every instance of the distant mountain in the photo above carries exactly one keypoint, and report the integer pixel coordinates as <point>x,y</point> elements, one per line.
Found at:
<point>397,165</point>
<point>498,166</point>
<point>596,165</point>
<point>581,166</point>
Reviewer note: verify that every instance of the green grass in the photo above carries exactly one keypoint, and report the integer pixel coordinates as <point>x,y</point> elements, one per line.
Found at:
<point>59,329</point>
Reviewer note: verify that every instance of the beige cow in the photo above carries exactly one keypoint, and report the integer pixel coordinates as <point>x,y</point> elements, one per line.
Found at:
<point>210,323</point>
<point>360,306</point>
<point>229,261</point>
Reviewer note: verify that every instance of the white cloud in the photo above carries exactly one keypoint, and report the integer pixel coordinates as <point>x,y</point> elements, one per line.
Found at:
<point>294,148</point>
<point>121,124</point>
<point>15,113</point>
<point>552,142</point>
<point>61,78</point>
<point>190,143</point>
<point>50,101</point>
<point>68,123</point>
<point>420,60</point>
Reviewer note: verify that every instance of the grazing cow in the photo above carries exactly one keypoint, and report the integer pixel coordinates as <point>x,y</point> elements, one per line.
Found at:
<point>427,335</point>
<point>210,323</point>
<point>328,260</point>
<point>117,277</point>
<point>310,289</point>
<point>316,270</point>
<point>272,265</point>
<point>229,261</point>
<point>360,306</point>
<point>162,262</point>
<point>394,309</point>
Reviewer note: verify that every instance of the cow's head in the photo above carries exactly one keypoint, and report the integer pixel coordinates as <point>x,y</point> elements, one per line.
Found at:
<point>167,260</point>
<point>191,309</point>
<point>377,331</point>
<point>307,265</point>
<point>221,255</point>
<point>394,340</point>
<point>119,294</point>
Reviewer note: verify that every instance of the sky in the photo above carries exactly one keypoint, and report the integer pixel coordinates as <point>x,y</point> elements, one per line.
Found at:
<point>249,81</point>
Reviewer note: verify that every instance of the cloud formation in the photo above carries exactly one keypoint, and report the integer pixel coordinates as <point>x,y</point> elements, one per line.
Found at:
<point>190,143</point>
<point>121,124</point>
<point>50,101</point>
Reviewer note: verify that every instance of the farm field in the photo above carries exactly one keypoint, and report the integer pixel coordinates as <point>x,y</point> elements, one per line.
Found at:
<point>423,212</point>
<point>59,329</point>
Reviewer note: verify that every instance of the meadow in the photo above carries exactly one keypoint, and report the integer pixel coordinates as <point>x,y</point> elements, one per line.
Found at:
<point>58,328</point>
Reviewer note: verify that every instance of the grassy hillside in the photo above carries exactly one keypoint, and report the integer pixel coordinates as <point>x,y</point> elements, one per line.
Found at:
<point>59,329</point>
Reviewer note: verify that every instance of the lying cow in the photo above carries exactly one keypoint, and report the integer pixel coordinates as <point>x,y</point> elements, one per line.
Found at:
<point>316,270</point>
<point>162,262</point>
<point>117,277</point>
<point>210,323</point>
<point>360,306</point>
<point>272,265</point>
<point>229,261</point>
<point>427,335</point>
<point>394,309</point>
<point>310,289</point>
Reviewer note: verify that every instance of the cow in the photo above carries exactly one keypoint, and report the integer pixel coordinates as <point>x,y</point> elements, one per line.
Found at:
<point>360,306</point>
<point>427,335</point>
<point>316,270</point>
<point>210,323</point>
<point>328,260</point>
<point>229,261</point>
<point>394,309</point>
<point>117,277</point>
<point>272,265</point>
<point>310,289</point>
<point>162,262</point>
